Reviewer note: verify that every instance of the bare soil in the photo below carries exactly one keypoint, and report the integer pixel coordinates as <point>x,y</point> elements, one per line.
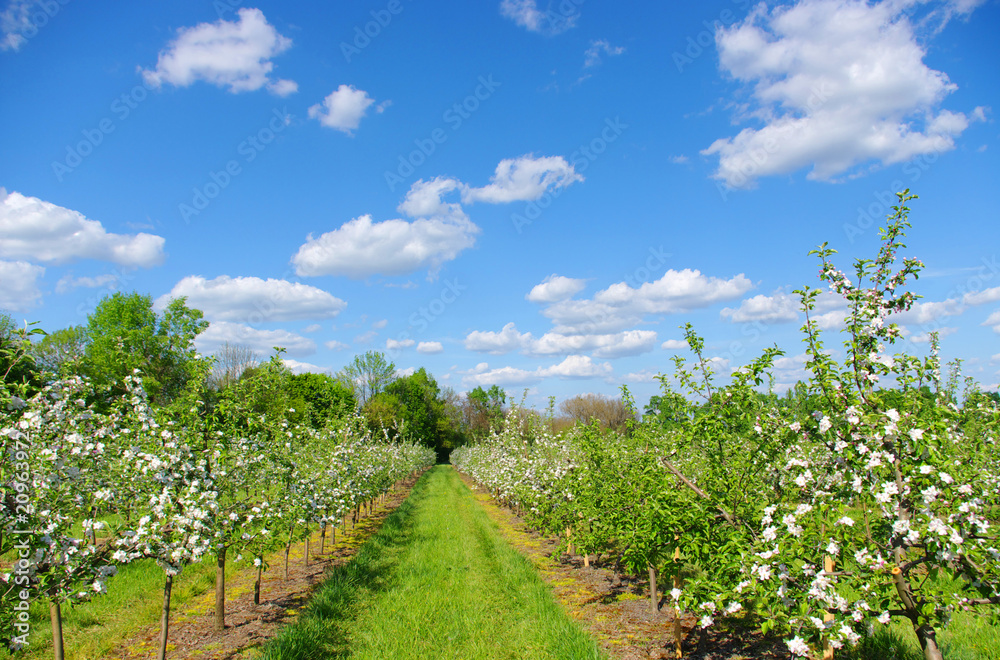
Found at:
<point>192,633</point>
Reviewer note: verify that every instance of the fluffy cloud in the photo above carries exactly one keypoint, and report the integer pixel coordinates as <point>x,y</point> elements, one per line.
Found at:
<point>19,292</point>
<point>361,248</point>
<point>253,299</point>
<point>621,305</point>
<point>42,231</point>
<point>674,345</point>
<point>398,344</point>
<point>430,347</point>
<point>233,54</point>
<point>993,321</point>
<point>778,308</point>
<point>68,282</point>
<point>836,84</point>
<point>297,367</point>
<point>632,342</point>
<point>527,14</point>
<point>555,288</point>
<point>441,230</point>
<point>982,297</point>
<point>925,337</point>
<point>343,109</point>
<point>574,367</point>
<point>523,179</point>
<point>335,345</point>
<point>262,341</point>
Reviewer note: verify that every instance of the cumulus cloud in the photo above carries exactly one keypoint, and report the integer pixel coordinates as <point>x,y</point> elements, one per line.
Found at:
<point>297,367</point>
<point>836,84</point>
<point>343,109</point>
<point>398,344</point>
<point>993,321</point>
<point>361,248</point>
<point>67,282</point>
<point>253,299</point>
<point>523,179</point>
<point>674,345</point>
<point>233,54</point>
<point>555,288</point>
<point>20,291</point>
<point>262,341</point>
<point>632,342</point>
<point>440,231</point>
<point>430,347</point>
<point>574,367</point>
<point>335,345</point>
<point>41,231</point>
<point>777,308</point>
<point>621,305</point>
<point>527,14</point>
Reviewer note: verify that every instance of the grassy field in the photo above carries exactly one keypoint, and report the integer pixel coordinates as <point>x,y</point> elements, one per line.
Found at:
<point>436,582</point>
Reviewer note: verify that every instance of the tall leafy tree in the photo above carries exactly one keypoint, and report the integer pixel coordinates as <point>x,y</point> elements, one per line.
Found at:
<point>61,352</point>
<point>367,375</point>
<point>325,397</point>
<point>125,333</point>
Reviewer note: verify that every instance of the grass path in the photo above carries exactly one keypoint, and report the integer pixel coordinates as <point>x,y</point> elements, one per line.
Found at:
<point>437,581</point>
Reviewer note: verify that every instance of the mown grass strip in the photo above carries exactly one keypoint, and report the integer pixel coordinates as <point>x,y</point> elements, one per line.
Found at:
<point>437,581</point>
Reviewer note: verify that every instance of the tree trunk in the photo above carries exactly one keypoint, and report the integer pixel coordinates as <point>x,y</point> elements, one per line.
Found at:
<point>55,613</point>
<point>654,600</point>
<point>928,642</point>
<point>307,547</point>
<point>165,618</point>
<point>220,589</point>
<point>288,548</point>
<point>256,585</point>
<point>322,537</point>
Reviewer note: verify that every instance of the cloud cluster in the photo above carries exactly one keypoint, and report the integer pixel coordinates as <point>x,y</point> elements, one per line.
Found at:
<point>835,84</point>
<point>439,230</point>
<point>527,14</point>
<point>41,231</point>
<point>631,342</point>
<point>20,291</point>
<point>573,367</point>
<point>344,108</point>
<point>232,54</point>
<point>261,341</point>
<point>242,298</point>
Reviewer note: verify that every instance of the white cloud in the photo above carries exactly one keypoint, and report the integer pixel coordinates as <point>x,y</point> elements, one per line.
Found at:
<point>622,305</point>
<point>527,14</point>
<point>233,54</point>
<point>836,84</point>
<point>927,312</point>
<point>574,367</point>
<point>17,24</point>
<point>313,327</point>
<point>632,342</point>
<point>68,282</point>
<point>424,199</point>
<point>253,299</point>
<point>343,109</point>
<point>430,347</point>
<point>592,56</point>
<point>19,291</point>
<point>993,321</point>
<point>303,367</point>
<point>523,179</point>
<point>335,345</point>
<point>263,341</point>
<point>403,373</point>
<point>674,345</point>
<point>643,376</point>
<point>555,288</point>
<point>378,325</point>
<point>397,344</point>
<point>777,308</point>
<point>42,231</point>
<point>982,297</point>
<point>361,248</point>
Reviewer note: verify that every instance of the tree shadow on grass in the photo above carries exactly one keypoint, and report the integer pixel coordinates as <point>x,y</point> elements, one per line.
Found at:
<point>323,629</point>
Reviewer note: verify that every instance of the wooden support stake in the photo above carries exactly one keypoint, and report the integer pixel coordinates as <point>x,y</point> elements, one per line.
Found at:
<point>678,583</point>
<point>569,543</point>
<point>827,649</point>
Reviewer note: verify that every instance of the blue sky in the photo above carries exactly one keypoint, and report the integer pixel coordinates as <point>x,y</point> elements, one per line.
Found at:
<point>522,192</point>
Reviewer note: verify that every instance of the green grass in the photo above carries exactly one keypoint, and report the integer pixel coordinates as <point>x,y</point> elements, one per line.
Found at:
<point>437,581</point>
<point>133,601</point>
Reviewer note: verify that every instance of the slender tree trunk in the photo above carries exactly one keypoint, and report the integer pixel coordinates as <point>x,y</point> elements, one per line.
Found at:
<point>165,618</point>
<point>654,599</point>
<point>322,537</point>
<point>55,613</point>
<point>307,548</point>
<point>220,589</point>
<point>256,585</point>
<point>928,642</point>
<point>288,548</point>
